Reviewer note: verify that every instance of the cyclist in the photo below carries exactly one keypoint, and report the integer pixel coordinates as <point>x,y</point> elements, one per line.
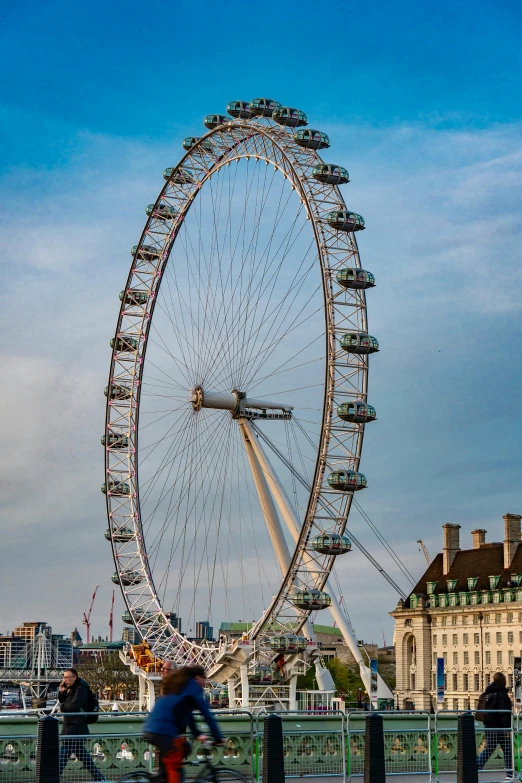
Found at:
<point>182,695</point>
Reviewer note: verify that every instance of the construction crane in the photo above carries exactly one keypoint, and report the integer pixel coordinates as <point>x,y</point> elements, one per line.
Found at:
<point>423,547</point>
<point>87,616</point>
<point>111,617</point>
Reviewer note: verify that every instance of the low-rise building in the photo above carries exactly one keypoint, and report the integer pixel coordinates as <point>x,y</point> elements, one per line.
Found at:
<point>466,609</point>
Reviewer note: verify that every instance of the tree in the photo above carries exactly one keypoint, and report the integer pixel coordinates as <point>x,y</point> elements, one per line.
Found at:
<point>108,676</point>
<point>346,679</point>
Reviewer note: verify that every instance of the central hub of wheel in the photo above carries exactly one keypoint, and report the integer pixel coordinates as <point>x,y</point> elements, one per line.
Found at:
<point>221,401</point>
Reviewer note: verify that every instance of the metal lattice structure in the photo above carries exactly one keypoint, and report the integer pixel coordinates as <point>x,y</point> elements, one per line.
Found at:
<point>177,224</point>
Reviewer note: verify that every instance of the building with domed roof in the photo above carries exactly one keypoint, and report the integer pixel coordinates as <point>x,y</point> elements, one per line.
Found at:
<point>466,609</point>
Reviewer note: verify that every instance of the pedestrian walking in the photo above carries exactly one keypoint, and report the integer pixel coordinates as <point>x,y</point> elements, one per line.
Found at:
<point>497,723</point>
<point>74,699</point>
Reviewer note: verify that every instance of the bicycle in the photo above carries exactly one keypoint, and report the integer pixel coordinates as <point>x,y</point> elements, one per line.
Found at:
<point>210,773</point>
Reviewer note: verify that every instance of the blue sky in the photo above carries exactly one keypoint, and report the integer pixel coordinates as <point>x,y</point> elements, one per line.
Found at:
<point>422,102</point>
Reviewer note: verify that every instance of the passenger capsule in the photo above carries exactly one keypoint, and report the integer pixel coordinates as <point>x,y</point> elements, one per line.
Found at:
<point>128,578</point>
<point>124,343</point>
<point>356,412</point>
<point>212,121</point>
<point>117,391</point>
<point>120,534</point>
<point>330,174</point>
<point>146,252</point>
<point>359,342</point>
<point>161,211</point>
<point>264,107</point>
<point>355,278</point>
<point>240,109</point>
<point>311,599</point>
<point>344,220</point>
<point>190,141</point>
<point>261,675</point>
<point>179,176</point>
<point>115,440</point>
<point>292,118</point>
<point>127,618</point>
<point>114,487</point>
<point>347,480</point>
<point>331,544</point>
<point>311,139</point>
<point>134,298</point>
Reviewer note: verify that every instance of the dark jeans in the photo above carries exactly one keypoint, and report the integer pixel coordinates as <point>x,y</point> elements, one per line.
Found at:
<point>76,745</point>
<point>496,737</point>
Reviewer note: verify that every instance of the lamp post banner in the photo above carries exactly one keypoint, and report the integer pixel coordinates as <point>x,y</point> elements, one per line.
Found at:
<point>517,680</point>
<point>440,680</point>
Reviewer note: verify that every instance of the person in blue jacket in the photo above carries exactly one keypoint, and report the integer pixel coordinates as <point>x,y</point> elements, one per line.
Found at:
<point>173,713</point>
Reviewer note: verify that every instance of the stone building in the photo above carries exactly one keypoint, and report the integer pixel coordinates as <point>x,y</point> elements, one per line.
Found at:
<point>467,609</point>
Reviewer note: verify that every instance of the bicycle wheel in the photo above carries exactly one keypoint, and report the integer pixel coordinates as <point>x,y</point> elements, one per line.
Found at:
<point>224,775</point>
<point>138,777</point>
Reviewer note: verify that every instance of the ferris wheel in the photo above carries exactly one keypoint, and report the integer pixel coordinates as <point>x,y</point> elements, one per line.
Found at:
<point>237,396</point>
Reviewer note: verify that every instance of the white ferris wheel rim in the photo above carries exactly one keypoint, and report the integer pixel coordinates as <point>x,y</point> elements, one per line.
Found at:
<point>345,379</point>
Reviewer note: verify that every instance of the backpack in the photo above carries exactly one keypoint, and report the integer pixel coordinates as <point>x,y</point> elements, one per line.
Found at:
<point>488,701</point>
<point>92,706</point>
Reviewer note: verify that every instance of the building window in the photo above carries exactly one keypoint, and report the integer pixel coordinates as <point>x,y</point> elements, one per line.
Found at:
<point>510,657</point>
<point>434,621</point>
<point>465,682</point>
<point>520,617</point>
<point>510,680</point>
<point>510,637</point>
<point>455,639</point>
<point>454,619</point>
<point>476,638</point>
<point>477,656</point>
<point>466,658</point>
<point>434,682</point>
<point>464,619</point>
<point>434,659</point>
<point>445,656</point>
<point>476,619</point>
<point>487,618</point>
<point>510,617</point>
<point>472,582</point>
<point>455,682</point>
<point>499,638</point>
<point>476,682</point>
<point>488,679</point>
<point>444,621</point>
<point>493,582</point>
<point>455,658</point>
<point>465,638</point>
<point>407,623</point>
<point>520,637</point>
<point>412,677</point>
<point>499,657</point>
<point>444,638</point>
<point>488,656</point>
<point>434,639</point>
<point>487,637</point>
<point>498,618</point>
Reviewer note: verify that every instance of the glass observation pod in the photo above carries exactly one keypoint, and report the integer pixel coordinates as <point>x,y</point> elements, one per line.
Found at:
<point>143,618</point>
<point>121,535</point>
<point>133,297</point>
<point>356,412</point>
<point>264,107</point>
<point>289,643</point>
<point>240,109</point>
<point>331,544</point>
<point>146,252</point>
<point>212,121</point>
<point>347,480</point>
<point>180,177</point>
<point>128,578</point>
<point>261,675</point>
<point>189,142</point>
<point>117,392</point>
<point>311,599</point>
<point>344,220</point>
<point>116,440</point>
<point>355,278</point>
<point>311,139</point>
<point>292,118</point>
<point>115,488</point>
<point>330,174</point>
<point>161,211</point>
<point>124,343</point>
<point>359,342</point>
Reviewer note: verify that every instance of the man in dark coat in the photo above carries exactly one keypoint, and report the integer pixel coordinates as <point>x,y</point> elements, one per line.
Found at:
<point>497,723</point>
<point>73,695</point>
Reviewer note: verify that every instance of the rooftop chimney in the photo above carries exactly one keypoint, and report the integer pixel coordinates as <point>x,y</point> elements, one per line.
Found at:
<point>451,546</point>
<point>511,537</point>
<point>479,537</point>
